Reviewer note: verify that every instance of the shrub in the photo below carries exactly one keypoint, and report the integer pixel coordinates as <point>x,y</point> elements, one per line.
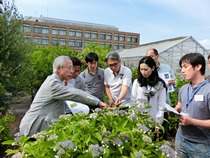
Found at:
<point>5,132</point>
<point>5,122</point>
<point>103,133</point>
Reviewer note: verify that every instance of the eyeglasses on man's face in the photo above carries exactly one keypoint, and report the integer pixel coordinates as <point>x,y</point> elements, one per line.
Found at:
<point>70,68</point>
<point>113,64</point>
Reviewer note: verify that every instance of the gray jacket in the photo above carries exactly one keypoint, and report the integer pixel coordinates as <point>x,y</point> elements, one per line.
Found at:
<point>49,104</point>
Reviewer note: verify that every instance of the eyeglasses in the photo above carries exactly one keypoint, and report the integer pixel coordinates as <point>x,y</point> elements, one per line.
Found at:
<point>113,65</point>
<point>70,69</point>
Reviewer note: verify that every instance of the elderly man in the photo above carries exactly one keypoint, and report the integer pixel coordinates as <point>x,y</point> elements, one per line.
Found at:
<point>117,81</point>
<point>49,102</point>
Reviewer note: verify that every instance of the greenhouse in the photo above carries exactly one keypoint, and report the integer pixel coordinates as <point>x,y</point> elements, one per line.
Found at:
<point>170,51</point>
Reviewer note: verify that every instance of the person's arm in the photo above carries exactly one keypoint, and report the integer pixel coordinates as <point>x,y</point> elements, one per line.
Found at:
<point>134,92</point>
<point>178,107</point>
<point>161,100</point>
<point>102,105</point>
<point>123,93</point>
<point>61,92</point>
<point>185,120</point>
<point>126,82</point>
<point>108,93</point>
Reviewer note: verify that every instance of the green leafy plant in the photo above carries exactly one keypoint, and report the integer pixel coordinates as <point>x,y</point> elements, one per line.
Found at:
<point>110,133</point>
<point>5,122</point>
<point>5,132</point>
<point>173,119</point>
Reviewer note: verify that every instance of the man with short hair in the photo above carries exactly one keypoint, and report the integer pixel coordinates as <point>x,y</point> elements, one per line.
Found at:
<point>193,134</point>
<point>77,82</point>
<point>49,102</point>
<point>117,80</point>
<point>94,76</point>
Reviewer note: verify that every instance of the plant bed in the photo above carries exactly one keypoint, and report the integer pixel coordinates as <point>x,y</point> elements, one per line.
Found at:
<point>109,133</point>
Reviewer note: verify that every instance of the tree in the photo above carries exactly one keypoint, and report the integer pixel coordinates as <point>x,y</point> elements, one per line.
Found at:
<point>101,51</point>
<point>39,65</point>
<point>12,50</point>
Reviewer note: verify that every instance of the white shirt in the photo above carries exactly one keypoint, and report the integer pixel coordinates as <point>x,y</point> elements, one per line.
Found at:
<point>115,82</point>
<point>155,101</point>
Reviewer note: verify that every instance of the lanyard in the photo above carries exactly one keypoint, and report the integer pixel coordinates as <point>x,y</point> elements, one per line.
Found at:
<point>189,100</point>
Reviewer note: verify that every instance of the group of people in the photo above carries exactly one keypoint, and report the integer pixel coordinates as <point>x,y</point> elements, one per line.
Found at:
<point>69,91</point>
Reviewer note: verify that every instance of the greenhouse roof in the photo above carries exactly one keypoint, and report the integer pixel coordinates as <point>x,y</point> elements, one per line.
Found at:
<point>159,45</point>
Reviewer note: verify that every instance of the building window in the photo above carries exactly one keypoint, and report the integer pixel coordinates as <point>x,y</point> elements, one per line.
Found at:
<point>54,41</point>
<point>102,36</point>
<point>94,35</point>
<point>78,43</point>
<point>26,28</point>
<point>71,43</point>
<point>55,31</point>
<point>116,37</point>
<point>37,40</point>
<point>87,34</point>
<point>87,43</point>
<point>79,34</point>
<point>37,29</point>
<point>26,39</point>
<point>63,32</point>
<point>129,39</point>
<point>72,33</point>
<point>108,36</point>
<point>45,41</point>
<point>45,30</point>
<point>122,46</point>
<point>122,38</point>
<point>62,42</point>
<point>116,46</point>
<point>134,39</point>
<point>102,44</point>
<point>109,45</point>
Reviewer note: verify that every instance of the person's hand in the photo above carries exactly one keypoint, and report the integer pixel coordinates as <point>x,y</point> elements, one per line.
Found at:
<point>185,120</point>
<point>111,102</point>
<point>117,102</point>
<point>171,81</point>
<point>65,82</point>
<point>102,105</point>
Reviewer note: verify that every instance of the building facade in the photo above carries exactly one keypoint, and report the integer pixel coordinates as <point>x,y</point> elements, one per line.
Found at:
<point>51,31</point>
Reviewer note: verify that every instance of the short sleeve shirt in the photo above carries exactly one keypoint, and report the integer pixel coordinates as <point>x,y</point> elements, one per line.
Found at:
<point>115,82</point>
<point>198,108</point>
<point>94,84</point>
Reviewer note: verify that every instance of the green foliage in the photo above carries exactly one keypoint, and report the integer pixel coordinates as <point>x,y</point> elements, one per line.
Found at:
<point>111,133</point>
<point>5,122</point>
<point>134,74</point>
<point>101,51</point>
<point>173,119</point>
<point>12,51</point>
<point>39,65</point>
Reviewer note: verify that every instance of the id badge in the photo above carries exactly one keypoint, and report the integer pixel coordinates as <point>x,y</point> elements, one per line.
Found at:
<point>199,98</point>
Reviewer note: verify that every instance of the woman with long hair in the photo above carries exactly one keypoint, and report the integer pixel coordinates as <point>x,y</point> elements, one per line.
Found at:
<point>149,87</point>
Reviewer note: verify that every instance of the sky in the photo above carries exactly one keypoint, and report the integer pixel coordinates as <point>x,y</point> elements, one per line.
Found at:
<point>154,20</point>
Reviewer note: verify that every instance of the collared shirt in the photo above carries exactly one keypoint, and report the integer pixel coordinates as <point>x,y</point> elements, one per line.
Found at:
<point>78,82</point>
<point>115,82</point>
<point>94,84</point>
<point>198,108</point>
<point>157,101</point>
